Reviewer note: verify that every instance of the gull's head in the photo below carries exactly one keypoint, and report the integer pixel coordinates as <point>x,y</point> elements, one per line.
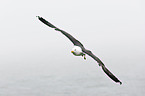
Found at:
<point>76,50</point>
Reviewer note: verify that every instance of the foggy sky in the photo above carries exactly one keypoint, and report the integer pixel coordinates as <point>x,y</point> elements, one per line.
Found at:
<point>113,30</point>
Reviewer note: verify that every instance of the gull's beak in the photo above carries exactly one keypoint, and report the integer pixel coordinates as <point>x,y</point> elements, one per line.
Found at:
<point>72,51</point>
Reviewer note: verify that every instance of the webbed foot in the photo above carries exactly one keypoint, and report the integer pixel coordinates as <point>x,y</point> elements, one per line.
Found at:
<point>85,56</point>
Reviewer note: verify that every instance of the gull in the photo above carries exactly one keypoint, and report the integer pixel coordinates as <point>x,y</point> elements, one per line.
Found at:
<point>80,50</point>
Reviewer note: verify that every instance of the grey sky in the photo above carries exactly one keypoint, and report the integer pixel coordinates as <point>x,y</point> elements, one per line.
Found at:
<point>106,27</point>
<point>114,31</point>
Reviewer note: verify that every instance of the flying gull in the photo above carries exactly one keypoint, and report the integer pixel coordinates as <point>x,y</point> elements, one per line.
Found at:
<point>79,49</point>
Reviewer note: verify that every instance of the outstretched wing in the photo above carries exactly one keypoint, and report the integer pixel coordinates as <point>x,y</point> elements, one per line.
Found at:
<point>102,65</point>
<point>70,37</point>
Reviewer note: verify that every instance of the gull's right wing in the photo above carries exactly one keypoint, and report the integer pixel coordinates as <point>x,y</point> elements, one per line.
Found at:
<point>70,37</point>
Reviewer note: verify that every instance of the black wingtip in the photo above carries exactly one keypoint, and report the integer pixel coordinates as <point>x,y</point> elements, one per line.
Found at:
<point>111,75</point>
<point>120,83</point>
<point>38,17</point>
<point>46,22</point>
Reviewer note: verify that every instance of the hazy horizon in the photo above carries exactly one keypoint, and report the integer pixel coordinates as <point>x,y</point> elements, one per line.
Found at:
<point>36,60</point>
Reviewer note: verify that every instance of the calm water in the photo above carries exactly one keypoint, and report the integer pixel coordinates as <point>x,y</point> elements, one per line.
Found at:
<point>69,80</point>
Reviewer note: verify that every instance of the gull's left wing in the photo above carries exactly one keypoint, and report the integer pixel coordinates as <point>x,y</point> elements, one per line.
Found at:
<point>102,65</point>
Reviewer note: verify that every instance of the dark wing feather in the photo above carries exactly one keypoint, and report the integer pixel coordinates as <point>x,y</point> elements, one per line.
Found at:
<point>102,65</point>
<point>70,37</point>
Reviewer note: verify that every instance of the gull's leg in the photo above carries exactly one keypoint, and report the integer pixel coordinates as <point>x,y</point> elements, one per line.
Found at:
<point>84,56</point>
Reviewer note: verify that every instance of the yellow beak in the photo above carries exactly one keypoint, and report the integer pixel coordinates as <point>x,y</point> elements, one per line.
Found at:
<point>72,51</point>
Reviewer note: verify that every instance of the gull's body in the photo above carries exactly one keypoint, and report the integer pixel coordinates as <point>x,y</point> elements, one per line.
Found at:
<point>79,49</point>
